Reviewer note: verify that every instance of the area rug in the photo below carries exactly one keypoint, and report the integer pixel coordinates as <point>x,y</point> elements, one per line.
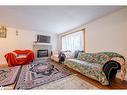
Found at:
<point>40,72</point>
<point>68,83</point>
<point>8,75</point>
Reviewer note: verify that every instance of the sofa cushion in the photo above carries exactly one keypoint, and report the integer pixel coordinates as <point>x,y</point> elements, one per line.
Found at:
<point>21,56</point>
<point>84,63</point>
<point>89,57</point>
<point>76,53</point>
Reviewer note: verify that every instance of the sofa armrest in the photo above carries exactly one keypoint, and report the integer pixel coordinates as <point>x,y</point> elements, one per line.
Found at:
<point>110,69</point>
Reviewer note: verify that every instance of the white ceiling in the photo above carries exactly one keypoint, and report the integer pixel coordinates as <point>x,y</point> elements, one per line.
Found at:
<point>53,19</point>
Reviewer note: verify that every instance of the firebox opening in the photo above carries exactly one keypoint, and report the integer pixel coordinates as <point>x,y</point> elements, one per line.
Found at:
<point>42,53</point>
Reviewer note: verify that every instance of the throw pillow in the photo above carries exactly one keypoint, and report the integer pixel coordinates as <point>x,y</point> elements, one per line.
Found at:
<point>77,52</point>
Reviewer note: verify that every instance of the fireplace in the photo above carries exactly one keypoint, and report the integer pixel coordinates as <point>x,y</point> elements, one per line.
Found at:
<point>42,50</point>
<point>42,53</point>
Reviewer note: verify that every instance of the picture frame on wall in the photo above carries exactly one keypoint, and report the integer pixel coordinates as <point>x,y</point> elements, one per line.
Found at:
<point>3,32</point>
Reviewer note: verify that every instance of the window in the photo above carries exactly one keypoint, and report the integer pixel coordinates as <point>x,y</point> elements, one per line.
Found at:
<point>73,41</point>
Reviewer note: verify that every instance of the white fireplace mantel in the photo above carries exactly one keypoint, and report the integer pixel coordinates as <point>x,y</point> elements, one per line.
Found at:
<point>41,43</point>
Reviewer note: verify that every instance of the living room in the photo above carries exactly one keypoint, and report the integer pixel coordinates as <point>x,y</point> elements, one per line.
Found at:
<point>56,33</point>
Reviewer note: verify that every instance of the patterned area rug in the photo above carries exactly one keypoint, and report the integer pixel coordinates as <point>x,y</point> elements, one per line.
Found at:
<point>40,72</point>
<point>68,83</point>
<point>8,75</point>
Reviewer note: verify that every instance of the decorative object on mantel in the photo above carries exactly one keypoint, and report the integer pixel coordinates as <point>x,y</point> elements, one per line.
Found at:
<point>3,32</point>
<point>17,32</point>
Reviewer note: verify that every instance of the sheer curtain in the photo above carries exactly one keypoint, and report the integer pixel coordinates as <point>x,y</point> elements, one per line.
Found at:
<point>73,41</point>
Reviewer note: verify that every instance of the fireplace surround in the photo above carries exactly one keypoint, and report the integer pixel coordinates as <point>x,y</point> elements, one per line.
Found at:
<point>42,50</point>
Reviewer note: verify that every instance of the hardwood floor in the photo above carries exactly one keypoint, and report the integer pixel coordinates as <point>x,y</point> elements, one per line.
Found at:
<point>9,87</point>
<point>115,84</point>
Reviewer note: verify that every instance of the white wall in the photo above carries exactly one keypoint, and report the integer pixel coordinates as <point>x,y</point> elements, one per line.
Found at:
<point>108,33</point>
<point>24,40</point>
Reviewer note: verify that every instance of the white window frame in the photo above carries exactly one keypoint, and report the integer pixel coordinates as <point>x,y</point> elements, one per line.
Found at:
<point>70,36</point>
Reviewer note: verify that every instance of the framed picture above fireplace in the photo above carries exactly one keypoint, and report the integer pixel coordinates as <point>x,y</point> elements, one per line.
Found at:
<point>43,39</point>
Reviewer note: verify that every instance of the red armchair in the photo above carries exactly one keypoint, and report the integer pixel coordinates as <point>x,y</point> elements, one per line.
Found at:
<point>14,58</point>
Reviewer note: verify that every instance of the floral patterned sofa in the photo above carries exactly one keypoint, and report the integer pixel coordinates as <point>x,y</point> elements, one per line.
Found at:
<point>100,66</point>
